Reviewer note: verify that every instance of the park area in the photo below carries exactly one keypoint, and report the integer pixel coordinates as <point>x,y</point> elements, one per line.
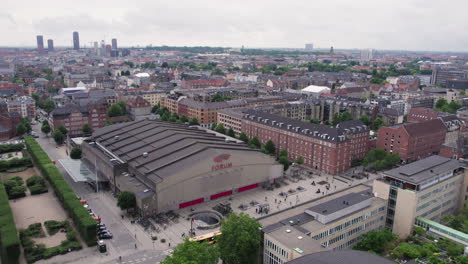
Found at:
<point>40,215</point>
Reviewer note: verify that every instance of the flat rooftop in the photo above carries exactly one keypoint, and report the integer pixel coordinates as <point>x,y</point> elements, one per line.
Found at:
<point>341,203</point>
<point>423,170</point>
<point>292,227</point>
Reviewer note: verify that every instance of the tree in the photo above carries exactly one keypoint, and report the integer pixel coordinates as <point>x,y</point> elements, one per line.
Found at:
<point>255,143</point>
<point>48,105</point>
<point>45,122</point>
<point>283,153</point>
<point>192,252</point>
<point>220,129</point>
<point>441,103</point>
<point>193,122</point>
<point>58,137</point>
<point>377,241</point>
<point>270,147</point>
<point>407,251</point>
<point>86,129</point>
<point>240,239</point>
<point>75,153</point>
<point>20,129</point>
<point>299,160</point>
<point>63,130</point>
<point>183,119</point>
<point>115,110</point>
<point>243,137</point>
<point>165,117</point>
<point>107,123</point>
<point>126,200</point>
<point>213,126</point>
<point>284,161</point>
<point>378,122</point>
<point>364,119</point>
<point>45,129</point>
<point>315,121</point>
<point>155,108</point>
<point>231,133</point>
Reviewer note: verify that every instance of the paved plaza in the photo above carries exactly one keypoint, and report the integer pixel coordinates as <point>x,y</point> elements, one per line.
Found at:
<point>135,245</point>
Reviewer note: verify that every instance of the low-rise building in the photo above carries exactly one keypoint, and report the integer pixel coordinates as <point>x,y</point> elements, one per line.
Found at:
<point>430,188</point>
<point>336,221</point>
<point>170,165</point>
<point>413,141</point>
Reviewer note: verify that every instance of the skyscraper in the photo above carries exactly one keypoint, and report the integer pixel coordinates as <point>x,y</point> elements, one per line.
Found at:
<point>114,44</point>
<point>40,43</point>
<point>50,45</point>
<point>309,46</point>
<point>103,48</point>
<point>367,55</point>
<point>76,41</point>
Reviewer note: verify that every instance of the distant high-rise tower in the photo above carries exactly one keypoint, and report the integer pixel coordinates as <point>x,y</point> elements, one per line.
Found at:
<point>40,43</point>
<point>309,46</point>
<point>103,48</point>
<point>332,51</point>
<point>367,55</point>
<point>50,45</point>
<point>108,50</point>
<point>76,41</point>
<point>114,44</point>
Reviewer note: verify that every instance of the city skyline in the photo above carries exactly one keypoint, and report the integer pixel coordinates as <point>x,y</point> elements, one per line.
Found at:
<point>400,25</point>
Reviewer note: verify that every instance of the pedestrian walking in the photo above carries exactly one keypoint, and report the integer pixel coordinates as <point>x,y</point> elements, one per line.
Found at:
<point>135,245</point>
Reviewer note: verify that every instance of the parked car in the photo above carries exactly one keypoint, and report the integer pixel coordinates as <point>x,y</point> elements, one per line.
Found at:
<point>101,228</point>
<point>106,235</point>
<point>100,232</point>
<point>100,225</point>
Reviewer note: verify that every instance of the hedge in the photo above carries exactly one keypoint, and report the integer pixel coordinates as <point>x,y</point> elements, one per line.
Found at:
<point>85,223</point>
<point>14,163</point>
<point>9,240</point>
<point>5,148</point>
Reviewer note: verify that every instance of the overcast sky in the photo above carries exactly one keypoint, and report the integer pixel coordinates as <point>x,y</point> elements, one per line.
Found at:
<point>380,24</point>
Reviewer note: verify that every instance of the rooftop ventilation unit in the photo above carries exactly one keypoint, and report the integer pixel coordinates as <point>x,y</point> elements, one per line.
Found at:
<point>116,137</point>
<point>145,154</point>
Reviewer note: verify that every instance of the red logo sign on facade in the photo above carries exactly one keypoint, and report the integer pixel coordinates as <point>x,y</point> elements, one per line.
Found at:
<point>221,158</point>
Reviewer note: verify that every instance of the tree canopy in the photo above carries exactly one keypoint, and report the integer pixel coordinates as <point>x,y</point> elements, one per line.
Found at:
<point>231,132</point>
<point>126,200</point>
<point>86,129</point>
<point>243,137</point>
<point>58,136</point>
<point>377,241</point>
<point>270,147</point>
<point>115,110</point>
<point>192,252</point>
<point>75,153</point>
<point>341,117</point>
<point>255,143</point>
<point>378,159</point>
<point>220,129</point>
<point>240,239</point>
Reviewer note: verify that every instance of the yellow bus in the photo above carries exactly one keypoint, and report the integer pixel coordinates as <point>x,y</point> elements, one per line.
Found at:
<point>211,238</point>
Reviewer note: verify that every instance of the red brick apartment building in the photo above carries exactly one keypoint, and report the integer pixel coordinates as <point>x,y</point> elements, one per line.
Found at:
<point>207,112</point>
<point>323,148</point>
<point>419,114</point>
<point>204,83</point>
<point>413,141</point>
<point>73,116</point>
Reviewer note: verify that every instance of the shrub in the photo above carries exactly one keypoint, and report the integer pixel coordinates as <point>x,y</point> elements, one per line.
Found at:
<point>14,163</point>
<point>34,180</point>
<point>14,188</point>
<point>5,148</point>
<point>83,221</point>
<point>53,226</point>
<point>33,230</point>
